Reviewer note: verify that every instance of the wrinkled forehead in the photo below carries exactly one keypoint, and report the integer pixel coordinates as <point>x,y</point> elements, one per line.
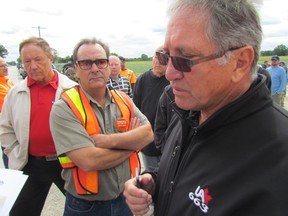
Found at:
<point>91,51</point>
<point>187,32</point>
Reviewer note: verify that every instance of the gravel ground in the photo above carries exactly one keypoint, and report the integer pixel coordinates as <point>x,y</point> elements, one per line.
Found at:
<point>54,205</point>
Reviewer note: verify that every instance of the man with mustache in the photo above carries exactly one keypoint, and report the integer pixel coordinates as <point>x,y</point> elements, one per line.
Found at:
<point>97,133</point>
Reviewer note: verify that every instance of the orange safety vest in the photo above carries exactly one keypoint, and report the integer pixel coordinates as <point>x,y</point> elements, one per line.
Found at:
<point>87,182</point>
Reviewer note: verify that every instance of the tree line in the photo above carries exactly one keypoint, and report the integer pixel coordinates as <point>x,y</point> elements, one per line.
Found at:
<point>280,50</point>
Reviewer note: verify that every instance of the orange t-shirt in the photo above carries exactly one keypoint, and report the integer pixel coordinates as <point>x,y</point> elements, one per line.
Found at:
<point>5,85</point>
<point>129,74</point>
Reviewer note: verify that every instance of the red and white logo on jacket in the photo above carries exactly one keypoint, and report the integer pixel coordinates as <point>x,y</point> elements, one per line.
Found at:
<point>201,198</point>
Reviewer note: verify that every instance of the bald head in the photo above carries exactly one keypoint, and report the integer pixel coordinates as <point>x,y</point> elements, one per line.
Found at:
<point>115,66</point>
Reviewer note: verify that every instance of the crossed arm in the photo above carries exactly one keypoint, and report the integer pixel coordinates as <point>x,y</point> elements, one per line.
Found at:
<point>111,149</point>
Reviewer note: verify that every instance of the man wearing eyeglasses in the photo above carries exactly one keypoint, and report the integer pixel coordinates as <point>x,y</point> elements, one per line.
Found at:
<point>24,126</point>
<point>97,134</point>
<point>5,85</point>
<point>229,155</point>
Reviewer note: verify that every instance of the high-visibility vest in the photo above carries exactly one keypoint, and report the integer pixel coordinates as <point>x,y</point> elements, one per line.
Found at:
<point>87,182</point>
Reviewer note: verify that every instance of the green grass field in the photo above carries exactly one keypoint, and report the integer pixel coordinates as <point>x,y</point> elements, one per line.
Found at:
<point>268,58</point>
<point>139,67</point>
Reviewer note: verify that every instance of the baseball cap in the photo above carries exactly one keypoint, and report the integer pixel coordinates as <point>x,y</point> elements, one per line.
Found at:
<point>121,58</point>
<point>275,57</point>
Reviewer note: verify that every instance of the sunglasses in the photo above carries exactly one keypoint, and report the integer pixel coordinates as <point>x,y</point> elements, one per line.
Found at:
<point>87,64</point>
<point>184,64</point>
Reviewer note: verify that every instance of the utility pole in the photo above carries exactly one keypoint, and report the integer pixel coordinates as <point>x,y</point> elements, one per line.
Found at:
<point>39,27</point>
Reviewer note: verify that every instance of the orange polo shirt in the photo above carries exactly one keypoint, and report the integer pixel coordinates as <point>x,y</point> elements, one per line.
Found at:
<point>42,98</point>
<point>5,85</point>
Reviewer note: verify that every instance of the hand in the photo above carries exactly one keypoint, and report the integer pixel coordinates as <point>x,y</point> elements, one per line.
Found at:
<point>102,140</point>
<point>139,199</point>
<point>134,123</point>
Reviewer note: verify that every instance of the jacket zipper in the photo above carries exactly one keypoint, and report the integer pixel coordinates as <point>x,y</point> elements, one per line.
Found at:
<point>180,168</point>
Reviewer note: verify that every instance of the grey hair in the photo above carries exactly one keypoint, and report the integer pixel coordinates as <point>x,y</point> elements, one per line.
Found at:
<point>38,41</point>
<point>229,23</point>
<point>89,41</point>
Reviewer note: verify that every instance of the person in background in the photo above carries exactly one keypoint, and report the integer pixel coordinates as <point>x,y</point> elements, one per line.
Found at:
<point>117,81</point>
<point>265,64</point>
<point>127,73</point>
<point>103,129</point>
<point>71,74</point>
<point>67,66</point>
<point>279,80</point>
<point>69,70</point>
<point>24,126</point>
<point>283,65</point>
<point>264,72</point>
<point>148,89</point>
<point>230,155</point>
<point>5,85</point>
<point>166,111</point>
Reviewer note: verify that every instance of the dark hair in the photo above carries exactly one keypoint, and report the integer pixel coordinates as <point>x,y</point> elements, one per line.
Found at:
<point>68,65</point>
<point>89,41</point>
<point>122,58</point>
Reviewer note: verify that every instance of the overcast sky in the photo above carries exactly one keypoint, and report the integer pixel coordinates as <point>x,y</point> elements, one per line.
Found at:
<point>130,27</point>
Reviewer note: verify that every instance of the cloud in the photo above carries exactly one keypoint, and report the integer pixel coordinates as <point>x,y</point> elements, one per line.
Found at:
<point>130,27</point>
<point>32,11</point>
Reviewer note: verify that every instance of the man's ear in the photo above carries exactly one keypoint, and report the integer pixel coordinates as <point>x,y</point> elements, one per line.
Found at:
<point>51,58</point>
<point>244,59</point>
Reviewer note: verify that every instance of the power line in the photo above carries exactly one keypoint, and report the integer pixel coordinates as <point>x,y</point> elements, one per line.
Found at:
<point>39,28</point>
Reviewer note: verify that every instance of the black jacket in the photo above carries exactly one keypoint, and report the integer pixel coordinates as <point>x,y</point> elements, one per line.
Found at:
<point>148,89</point>
<point>165,112</point>
<point>235,163</point>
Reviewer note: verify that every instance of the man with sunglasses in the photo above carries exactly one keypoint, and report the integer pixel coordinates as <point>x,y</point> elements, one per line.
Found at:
<point>229,155</point>
<point>148,89</point>
<point>97,133</point>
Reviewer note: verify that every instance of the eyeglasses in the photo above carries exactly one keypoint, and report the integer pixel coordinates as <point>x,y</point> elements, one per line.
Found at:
<point>184,64</point>
<point>87,64</point>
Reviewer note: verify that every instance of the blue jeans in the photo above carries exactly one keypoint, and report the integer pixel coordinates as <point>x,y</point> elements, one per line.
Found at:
<point>78,207</point>
<point>151,163</point>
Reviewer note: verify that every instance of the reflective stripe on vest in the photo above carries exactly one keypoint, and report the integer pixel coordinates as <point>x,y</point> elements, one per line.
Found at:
<point>87,182</point>
<point>123,102</point>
